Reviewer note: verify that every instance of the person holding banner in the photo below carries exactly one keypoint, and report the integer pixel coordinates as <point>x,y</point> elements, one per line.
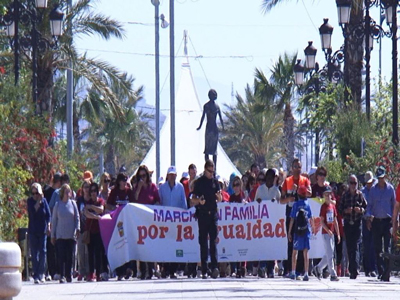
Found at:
<point>352,207</point>
<point>145,192</point>
<point>172,194</point>
<point>206,195</point>
<point>268,191</point>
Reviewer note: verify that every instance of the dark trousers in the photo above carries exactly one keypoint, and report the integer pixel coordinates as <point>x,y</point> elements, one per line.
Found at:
<point>208,228</point>
<point>368,249</point>
<point>65,253</point>
<point>300,257</point>
<point>353,240</point>
<point>95,254</point>
<point>52,267</point>
<point>170,268</point>
<point>381,231</point>
<point>37,243</point>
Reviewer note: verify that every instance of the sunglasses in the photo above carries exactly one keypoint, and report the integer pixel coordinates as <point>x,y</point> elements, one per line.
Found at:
<point>353,182</point>
<point>93,191</point>
<point>322,174</point>
<point>35,193</point>
<point>107,180</point>
<point>236,184</point>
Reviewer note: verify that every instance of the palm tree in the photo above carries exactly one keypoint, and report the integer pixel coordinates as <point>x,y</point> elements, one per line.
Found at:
<point>278,92</point>
<point>80,20</point>
<point>354,51</point>
<point>251,135</point>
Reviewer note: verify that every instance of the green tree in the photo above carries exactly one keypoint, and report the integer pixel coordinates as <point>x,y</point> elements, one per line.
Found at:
<point>278,92</point>
<point>252,135</point>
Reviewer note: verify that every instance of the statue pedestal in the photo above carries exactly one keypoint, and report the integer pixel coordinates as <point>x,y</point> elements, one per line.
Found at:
<point>10,276</point>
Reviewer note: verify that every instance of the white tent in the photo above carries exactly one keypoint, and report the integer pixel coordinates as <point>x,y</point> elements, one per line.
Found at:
<point>189,143</point>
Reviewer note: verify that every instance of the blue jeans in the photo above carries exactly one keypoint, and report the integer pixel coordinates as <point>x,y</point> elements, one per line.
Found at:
<point>37,243</point>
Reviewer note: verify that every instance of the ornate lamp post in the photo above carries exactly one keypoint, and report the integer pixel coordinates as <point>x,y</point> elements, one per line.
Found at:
<point>30,14</point>
<point>368,30</point>
<point>319,78</point>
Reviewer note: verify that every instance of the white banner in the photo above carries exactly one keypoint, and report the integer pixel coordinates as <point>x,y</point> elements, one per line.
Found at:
<point>247,232</point>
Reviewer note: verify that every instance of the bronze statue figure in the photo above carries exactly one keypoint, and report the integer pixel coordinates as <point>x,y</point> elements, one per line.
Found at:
<point>211,109</point>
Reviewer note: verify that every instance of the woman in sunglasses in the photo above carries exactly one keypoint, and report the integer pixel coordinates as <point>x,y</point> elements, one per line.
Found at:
<point>93,212</point>
<point>120,194</point>
<point>105,190</point>
<point>81,201</point>
<point>145,192</point>
<point>64,230</point>
<point>238,269</point>
<point>39,226</point>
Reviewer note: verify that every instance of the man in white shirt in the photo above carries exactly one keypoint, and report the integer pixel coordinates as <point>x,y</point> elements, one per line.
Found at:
<point>269,190</point>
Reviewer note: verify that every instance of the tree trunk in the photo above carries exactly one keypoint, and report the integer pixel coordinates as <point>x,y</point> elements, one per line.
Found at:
<point>288,131</point>
<point>354,54</point>
<point>110,160</point>
<point>76,129</point>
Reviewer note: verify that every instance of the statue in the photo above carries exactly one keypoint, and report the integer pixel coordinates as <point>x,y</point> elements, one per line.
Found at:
<point>211,138</point>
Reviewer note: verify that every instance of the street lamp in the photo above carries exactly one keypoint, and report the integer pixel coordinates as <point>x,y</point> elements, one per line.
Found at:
<point>319,78</point>
<point>30,14</point>
<point>164,24</point>
<point>368,30</point>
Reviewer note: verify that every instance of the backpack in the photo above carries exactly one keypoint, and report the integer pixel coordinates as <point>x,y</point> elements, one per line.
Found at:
<point>301,223</point>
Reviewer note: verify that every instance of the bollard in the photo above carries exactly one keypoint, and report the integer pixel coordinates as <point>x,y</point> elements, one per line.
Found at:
<point>10,276</point>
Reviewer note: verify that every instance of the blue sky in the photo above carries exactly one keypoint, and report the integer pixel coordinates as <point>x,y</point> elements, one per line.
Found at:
<point>233,36</point>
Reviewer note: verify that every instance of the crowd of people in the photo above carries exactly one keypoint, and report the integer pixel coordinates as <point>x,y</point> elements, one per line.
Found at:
<point>358,222</point>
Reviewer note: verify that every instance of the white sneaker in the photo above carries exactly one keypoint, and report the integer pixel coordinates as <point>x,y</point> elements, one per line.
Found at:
<point>48,278</point>
<point>199,273</point>
<point>36,281</point>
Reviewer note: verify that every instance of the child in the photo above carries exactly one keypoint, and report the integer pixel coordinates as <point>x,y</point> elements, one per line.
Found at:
<point>299,221</point>
<point>330,225</point>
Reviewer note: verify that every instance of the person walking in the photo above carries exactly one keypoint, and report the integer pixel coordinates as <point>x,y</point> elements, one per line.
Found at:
<point>369,262</point>
<point>206,196</point>
<point>353,206</point>
<point>65,227</point>
<point>380,207</point>
<point>38,227</point>
<point>268,192</point>
<point>93,211</point>
<point>330,226</point>
<point>288,197</point>
<point>300,218</point>
<point>172,194</point>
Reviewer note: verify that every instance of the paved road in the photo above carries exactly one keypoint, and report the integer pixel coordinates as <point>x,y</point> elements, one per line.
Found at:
<point>222,288</point>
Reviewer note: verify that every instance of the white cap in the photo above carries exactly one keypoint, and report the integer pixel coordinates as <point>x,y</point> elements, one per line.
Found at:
<point>185,175</point>
<point>171,170</point>
<point>368,177</point>
<point>38,187</point>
